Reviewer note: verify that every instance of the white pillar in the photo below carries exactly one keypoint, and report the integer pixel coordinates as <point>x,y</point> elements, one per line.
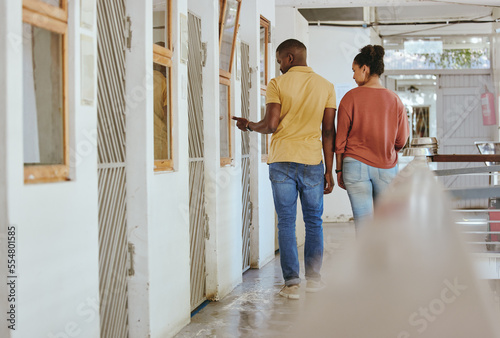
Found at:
<point>11,162</point>
<point>139,166</point>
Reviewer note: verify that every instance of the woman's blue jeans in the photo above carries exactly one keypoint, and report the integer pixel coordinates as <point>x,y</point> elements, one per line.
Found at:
<point>363,184</point>
<point>290,180</point>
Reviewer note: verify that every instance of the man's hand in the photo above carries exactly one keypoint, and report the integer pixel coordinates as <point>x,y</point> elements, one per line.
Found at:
<point>241,123</point>
<point>340,180</point>
<point>329,183</point>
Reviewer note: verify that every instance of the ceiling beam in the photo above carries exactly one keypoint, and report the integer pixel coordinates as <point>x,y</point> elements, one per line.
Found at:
<point>373,3</point>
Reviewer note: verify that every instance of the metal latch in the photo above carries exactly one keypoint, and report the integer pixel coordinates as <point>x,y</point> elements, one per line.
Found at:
<point>131,252</point>
<point>207,227</point>
<point>203,54</point>
<point>128,32</point>
<point>251,213</point>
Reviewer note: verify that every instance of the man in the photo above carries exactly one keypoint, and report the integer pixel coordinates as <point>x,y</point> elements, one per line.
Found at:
<point>300,111</point>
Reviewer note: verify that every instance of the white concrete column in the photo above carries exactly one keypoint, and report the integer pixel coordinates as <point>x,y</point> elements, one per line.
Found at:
<point>168,231</point>
<point>266,226</point>
<point>11,165</point>
<point>139,149</point>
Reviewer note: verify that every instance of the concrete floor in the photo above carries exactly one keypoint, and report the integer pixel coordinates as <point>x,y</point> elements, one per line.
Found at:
<point>254,308</point>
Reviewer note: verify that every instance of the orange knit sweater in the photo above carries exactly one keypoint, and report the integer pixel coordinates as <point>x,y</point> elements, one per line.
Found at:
<point>372,126</point>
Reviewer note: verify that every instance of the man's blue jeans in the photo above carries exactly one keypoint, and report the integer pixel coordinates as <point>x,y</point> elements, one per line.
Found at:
<point>363,184</point>
<point>290,180</point>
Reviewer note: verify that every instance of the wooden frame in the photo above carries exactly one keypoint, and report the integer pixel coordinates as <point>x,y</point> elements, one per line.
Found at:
<point>163,56</point>
<point>264,151</point>
<point>44,9</point>
<point>224,161</point>
<point>264,23</point>
<point>225,75</point>
<point>222,18</point>
<point>53,19</point>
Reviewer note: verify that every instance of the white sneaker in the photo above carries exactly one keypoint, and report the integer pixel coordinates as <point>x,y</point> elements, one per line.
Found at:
<point>291,291</point>
<point>315,286</point>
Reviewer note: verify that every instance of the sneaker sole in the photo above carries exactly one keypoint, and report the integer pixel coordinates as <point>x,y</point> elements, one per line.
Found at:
<point>311,289</point>
<point>314,290</point>
<point>289,296</point>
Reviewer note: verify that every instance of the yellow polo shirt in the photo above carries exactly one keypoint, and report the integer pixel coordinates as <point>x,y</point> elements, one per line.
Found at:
<point>303,96</point>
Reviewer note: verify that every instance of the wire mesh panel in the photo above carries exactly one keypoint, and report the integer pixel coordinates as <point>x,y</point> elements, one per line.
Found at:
<point>111,168</point>
<point>197,218</point>
<point>245,155</point>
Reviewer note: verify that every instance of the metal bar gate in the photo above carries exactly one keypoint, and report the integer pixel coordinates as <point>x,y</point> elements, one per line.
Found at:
<point>245,156</point>
<point>111,168</point>
<point>197,216</point>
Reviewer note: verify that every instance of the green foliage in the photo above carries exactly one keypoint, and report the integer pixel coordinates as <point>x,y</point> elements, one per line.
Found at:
<point>457,58</point>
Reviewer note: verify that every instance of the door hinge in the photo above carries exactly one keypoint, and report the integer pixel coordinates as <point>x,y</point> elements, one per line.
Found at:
<point>128,32</point>
<point>207,230</point>
<point>203,54</point>
<point>131,252</point>
<point>251,212</point>
<point>252,70</point>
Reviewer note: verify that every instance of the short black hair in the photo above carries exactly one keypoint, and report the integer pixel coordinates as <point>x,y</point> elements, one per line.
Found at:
<point>289,44</point>
<point>373,57</point>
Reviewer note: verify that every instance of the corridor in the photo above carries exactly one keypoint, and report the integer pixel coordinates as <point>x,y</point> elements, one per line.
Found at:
<point>254,308</point>
<point>128,196</point>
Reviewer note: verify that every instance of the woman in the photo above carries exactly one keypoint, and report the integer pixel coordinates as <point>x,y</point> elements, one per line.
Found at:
<point>372,127</point>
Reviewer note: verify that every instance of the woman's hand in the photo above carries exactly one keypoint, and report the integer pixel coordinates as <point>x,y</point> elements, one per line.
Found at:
<point>340,180</point>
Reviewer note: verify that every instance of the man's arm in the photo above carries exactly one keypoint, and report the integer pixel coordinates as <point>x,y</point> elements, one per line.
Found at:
<point>267,125</point>
<point>328,137</point>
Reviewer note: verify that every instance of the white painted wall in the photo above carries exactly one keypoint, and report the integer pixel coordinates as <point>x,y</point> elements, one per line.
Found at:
<point>222,185</point>
<point>158,203</point>
<point>169,263</point>
<point>331,52</point>
<point>139,149</point>
<point>265,206</point>
<point>57,249</point>
<point>290,24</point>
<point>229,206</point>
<point>262,229</point>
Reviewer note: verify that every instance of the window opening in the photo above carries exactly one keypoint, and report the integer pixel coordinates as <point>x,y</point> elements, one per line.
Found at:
<point>45,94</point>
<point>162,80</point>
<point>229,14</point>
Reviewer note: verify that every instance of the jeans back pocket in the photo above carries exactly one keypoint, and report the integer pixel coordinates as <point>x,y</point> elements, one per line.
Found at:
<point>351,170</point>
<point>314,175</point>
<point>278,171</point>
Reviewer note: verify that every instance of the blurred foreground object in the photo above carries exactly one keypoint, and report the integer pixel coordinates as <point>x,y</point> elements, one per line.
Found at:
<point>408,274</point>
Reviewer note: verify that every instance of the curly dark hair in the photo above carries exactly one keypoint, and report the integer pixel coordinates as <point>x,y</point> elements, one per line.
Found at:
<point>373,57</point>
